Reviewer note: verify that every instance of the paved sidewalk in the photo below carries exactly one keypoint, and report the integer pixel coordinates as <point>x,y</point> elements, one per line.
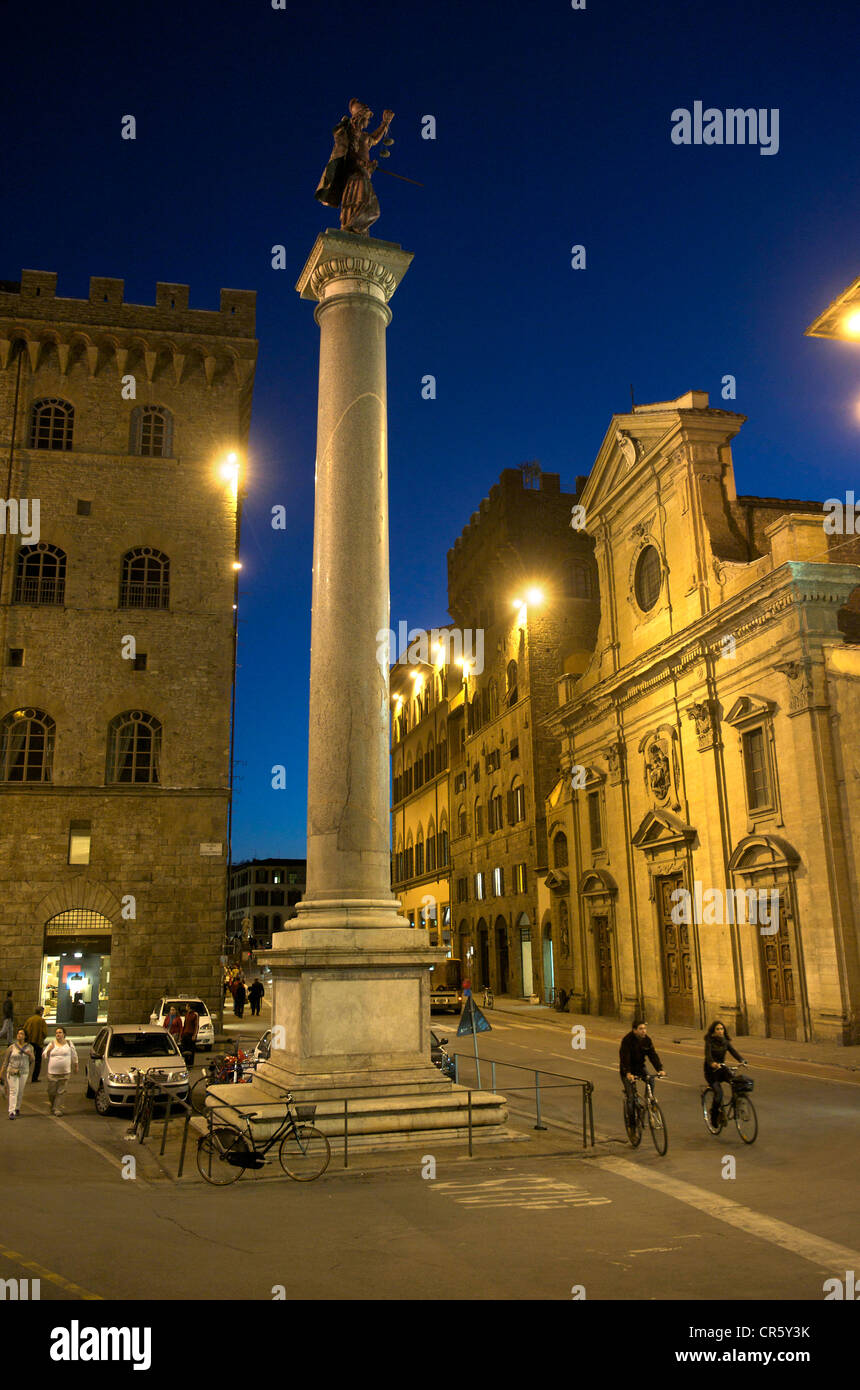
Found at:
<point>666,1034</point>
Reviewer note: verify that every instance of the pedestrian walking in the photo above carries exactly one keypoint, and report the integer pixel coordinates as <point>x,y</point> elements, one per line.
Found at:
<point>37,1030</point>
<point>188,1037</point>
<point>239,999</point>
<point>61,1059</point>
<point>14,1070</point>
<point>7,1030</point>
<point>255,997</point>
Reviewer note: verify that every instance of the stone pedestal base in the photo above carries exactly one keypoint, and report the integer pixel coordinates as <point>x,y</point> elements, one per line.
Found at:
<point>376,1115</point>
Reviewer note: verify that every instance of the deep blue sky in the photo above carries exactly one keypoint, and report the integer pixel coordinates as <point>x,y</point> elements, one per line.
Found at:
<point>552,129</point>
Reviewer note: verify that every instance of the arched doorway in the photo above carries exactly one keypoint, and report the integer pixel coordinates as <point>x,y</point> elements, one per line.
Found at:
<point>548,963</point>
<point>763,867</point>
<point>502,954</point>
<point>483,953</point>
<point>524,927</point>
<point>75,985</point>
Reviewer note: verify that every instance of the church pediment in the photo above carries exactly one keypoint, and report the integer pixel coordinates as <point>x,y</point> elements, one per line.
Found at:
<point>663,830</point>
<point>749,708</point>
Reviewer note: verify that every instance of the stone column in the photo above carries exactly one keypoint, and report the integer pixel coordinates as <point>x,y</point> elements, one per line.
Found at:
<point>351,980</point>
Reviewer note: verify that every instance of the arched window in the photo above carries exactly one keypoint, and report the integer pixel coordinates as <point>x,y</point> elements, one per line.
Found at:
<point>442,755</point>
<point>40,576</point>
<point>145,579</point>
<point>27,746</point>
<point>559,851</point>
<point>407,777</point>
<point>52,425</point>
<point>442,845</point>
<point>476,711</point>
<point>410,858</point>
<point>516,803</point>
<point>398,861</point>
<point>397,783</point>
<point>419,767</point>
<point>429,760</point>
<point>152,432</point>
<point>431,846</point>
<point>512,694</point>
<point>276,922</point>
<point>494,818</point>
<point>419,853</point>
<point>485,705</point>
<point>134,748</point>
<point>461,821</point>
<point>493,697</point>
<point>479,817</point>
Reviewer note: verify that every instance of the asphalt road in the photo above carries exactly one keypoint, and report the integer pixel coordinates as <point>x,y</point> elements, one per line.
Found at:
<point>616,1223</point>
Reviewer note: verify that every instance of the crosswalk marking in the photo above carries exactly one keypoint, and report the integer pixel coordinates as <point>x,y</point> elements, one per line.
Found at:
<point>530,1193</point>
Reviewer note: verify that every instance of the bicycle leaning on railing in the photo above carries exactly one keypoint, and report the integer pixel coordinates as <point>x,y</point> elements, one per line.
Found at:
<point>226,1150</point>
<point>739,1108</point>
<point>642,1110</point>
<point>488,999</point>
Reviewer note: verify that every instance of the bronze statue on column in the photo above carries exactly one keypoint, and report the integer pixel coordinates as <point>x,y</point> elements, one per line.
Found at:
<point>346,178</point>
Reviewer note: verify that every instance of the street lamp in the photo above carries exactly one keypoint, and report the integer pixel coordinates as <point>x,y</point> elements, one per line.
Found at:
<point>841,318</point>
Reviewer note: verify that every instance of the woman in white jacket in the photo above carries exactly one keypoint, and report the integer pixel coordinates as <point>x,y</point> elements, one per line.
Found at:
<point>15,1070</point>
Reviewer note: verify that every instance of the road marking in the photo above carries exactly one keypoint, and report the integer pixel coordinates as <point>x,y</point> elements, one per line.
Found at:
<point>48,1274</point>
<point>817,1249</point>
<point>531,1194</point>
<point>90,1143</point>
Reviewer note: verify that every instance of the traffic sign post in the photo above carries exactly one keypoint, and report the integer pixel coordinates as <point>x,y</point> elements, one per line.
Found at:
<point>474,1022</point>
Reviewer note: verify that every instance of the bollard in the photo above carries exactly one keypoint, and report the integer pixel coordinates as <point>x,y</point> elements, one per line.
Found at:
<point>166,1121</point>
<point>493,1075</point>
<point>537,1102</point>
<point>184,1140</point>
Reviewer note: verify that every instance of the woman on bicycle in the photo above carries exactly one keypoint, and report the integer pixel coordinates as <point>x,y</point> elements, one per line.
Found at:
<point>717,1044</point>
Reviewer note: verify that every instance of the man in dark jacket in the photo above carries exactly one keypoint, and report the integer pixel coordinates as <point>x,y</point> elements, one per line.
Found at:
<point>635,1047</point>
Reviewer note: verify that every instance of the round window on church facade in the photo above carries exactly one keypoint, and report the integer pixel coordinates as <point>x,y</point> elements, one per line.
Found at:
<point>649,577</point>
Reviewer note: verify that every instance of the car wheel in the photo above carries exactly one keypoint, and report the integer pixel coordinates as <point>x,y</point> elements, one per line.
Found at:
<point>102,1100</point>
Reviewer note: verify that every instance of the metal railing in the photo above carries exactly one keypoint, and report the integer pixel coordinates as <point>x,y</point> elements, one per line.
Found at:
<point>559,1082</point>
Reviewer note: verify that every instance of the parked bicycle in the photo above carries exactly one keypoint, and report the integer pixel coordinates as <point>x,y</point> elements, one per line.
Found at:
<point>232,1067</point>
<point>227,1150</point>
<point>488,999</point>
<point>650,1110</point>
<point>738,1108</point>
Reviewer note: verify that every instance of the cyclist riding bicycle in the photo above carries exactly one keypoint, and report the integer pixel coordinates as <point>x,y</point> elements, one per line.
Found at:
<point>635,1047</point>
<point>717,1044</point>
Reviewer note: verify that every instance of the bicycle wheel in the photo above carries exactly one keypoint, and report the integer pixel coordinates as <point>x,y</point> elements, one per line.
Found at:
<point>304,1153</point>
<point>746,1119</point>
<point>708,1099</point>
<point>634,1131</point>
<point>213,1151</point>
<point>657,1126</point>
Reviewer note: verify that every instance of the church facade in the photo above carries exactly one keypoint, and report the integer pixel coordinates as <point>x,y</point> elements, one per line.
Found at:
<point>703,834</point>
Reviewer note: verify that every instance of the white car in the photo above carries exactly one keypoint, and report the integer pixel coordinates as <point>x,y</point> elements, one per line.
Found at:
<point>180,1002</point>
<point>121,1052</point>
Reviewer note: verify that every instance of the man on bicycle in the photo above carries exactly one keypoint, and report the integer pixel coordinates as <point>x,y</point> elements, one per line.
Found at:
<point>635,1047</point>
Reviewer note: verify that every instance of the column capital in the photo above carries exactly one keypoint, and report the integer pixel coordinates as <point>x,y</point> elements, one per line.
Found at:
<point>342,263</point>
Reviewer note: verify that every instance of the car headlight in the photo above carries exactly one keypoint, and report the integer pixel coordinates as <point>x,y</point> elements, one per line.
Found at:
<point>121,1078</point>
<point>179,1076</point>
